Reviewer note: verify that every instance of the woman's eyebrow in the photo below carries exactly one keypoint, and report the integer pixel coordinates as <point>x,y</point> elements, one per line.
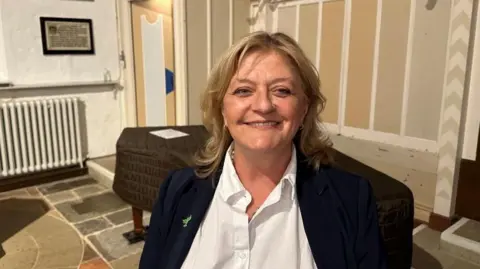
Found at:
<point>273,81</point>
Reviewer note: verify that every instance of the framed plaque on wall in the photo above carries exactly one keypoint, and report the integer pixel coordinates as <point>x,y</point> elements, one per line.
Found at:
<point>67,36</point>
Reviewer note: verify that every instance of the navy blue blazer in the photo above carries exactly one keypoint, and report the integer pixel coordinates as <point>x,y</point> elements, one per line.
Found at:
<point>338,210</point>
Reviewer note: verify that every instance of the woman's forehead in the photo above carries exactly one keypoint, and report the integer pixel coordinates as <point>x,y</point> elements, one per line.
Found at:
<point>264,65</point>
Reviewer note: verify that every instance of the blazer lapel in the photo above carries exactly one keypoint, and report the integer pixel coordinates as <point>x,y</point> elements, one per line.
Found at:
<point>188,217</point>
<point>323,230</point>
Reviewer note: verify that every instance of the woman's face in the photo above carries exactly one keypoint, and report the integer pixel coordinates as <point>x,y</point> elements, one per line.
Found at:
<point>264,104</point>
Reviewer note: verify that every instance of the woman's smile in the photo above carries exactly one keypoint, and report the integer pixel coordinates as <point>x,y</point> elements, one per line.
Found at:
<point>263,124</point>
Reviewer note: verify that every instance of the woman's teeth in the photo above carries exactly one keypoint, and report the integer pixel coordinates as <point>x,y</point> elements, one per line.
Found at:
<point>268,123</point>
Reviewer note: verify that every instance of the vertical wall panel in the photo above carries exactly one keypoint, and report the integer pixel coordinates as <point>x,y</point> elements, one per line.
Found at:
<point>331,57</point>
<point>360,64</point>
<point>153,62</point>
<point>427,70</point>
<point>169,68</point>
<point>220,28</point>
<point>241,12</point>
<point>307,36</point>
<point>391,66</point>
<point>196,27</point>
<point>137,12</point>
<point>286,20</point>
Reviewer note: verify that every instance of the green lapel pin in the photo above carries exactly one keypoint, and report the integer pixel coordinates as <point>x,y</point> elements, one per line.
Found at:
<point>186,221</point>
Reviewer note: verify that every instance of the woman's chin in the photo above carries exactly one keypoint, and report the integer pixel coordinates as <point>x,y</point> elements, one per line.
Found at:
<point>262,148</point>
<point>260,144</point>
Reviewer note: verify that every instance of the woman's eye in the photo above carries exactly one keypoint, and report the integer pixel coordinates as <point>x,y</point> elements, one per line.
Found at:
<point>284,92</point>
<point>241,91</point>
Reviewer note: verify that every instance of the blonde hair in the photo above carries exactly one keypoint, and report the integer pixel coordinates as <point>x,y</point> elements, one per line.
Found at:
<point>311,140</point>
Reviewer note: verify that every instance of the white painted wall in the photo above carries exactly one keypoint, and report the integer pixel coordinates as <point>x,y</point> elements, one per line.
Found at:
<point>26,63</point>
<point>3,59</point>
<point>472,120</point>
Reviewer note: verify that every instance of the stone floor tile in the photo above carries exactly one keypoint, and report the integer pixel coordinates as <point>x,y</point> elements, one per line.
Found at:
<point>128,262</point>
<point>461,264</point>
<point>88,253</point>
<point>430,258</point>
<point>64,185</point>
<point>18,242</point>
<point>124,216</point>
<point>93,225</point>
<point>16,215</point>
<point>470,230</point>
<point>59,244</point>
<point>60,197</point>
<point>95,264</point>
<point>19,260</point>
<point>56,214</point>
<point>427,239</point>
<point>14,193</point>
<point>146,218</point>
<point>112,245</point>
<point>107,162</point>
<point>120,217</point>
<point>33,191</point>
<point>89,190</point>
<point>82,181</point>
<point>91,207</point>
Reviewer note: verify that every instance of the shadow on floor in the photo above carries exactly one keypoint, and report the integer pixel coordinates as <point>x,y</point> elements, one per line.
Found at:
<point>16,214</point>
<point>423,259</point>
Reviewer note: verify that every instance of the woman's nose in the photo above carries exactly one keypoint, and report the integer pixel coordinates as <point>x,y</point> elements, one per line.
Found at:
<point>263,102</point>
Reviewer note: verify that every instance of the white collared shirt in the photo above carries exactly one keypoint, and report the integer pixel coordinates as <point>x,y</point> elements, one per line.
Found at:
<point>274,237</point>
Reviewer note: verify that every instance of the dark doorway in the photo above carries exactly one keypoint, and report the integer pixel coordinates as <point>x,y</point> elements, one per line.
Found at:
<point>468,193</point>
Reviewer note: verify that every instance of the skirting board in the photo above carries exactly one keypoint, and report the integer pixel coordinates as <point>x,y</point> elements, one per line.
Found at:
<point>422,213</point>
<point>100,173</point>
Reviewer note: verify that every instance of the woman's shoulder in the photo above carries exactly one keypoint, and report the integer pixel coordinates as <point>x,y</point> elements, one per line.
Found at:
<point>347,184</point>
<point>179,177</point>
<point>185,173</point>
<point>342,177</point>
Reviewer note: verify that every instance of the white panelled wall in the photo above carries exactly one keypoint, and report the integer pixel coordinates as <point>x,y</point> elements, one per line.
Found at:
<point>269,20</point>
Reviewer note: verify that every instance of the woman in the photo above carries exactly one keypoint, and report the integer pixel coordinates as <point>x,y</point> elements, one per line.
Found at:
<point>263,193</point>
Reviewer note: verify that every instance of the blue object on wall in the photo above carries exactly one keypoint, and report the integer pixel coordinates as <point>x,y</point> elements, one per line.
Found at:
<point>169,79</point>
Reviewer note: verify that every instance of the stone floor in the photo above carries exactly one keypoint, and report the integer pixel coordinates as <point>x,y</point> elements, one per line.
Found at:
<point>107,162</point>
<point>78,223</point>
<point>428,254</point>
<point>470,230</point>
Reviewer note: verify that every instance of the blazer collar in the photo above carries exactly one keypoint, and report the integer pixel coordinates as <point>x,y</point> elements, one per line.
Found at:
<point>320,210</point>
<point>191,210</point>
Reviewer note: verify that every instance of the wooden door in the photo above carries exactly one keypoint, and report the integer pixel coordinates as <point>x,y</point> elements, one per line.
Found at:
<point>468,193</point>
<point>152,26</point>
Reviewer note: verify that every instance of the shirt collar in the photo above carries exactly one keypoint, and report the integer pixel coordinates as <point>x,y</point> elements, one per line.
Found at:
<point>230,185</point>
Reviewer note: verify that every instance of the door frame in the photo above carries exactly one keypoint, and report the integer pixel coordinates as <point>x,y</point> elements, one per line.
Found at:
<point>180,57</point>
<point>124,12</point>
<point>128,92</point>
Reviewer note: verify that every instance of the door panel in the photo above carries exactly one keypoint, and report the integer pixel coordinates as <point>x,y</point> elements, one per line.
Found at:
<point>154,62</point>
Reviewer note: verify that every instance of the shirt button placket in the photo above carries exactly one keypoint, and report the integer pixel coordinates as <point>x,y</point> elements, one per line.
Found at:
<point>241,237</point>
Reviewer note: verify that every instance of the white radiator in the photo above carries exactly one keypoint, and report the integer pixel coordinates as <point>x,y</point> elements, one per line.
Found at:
<point>39,135</point>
